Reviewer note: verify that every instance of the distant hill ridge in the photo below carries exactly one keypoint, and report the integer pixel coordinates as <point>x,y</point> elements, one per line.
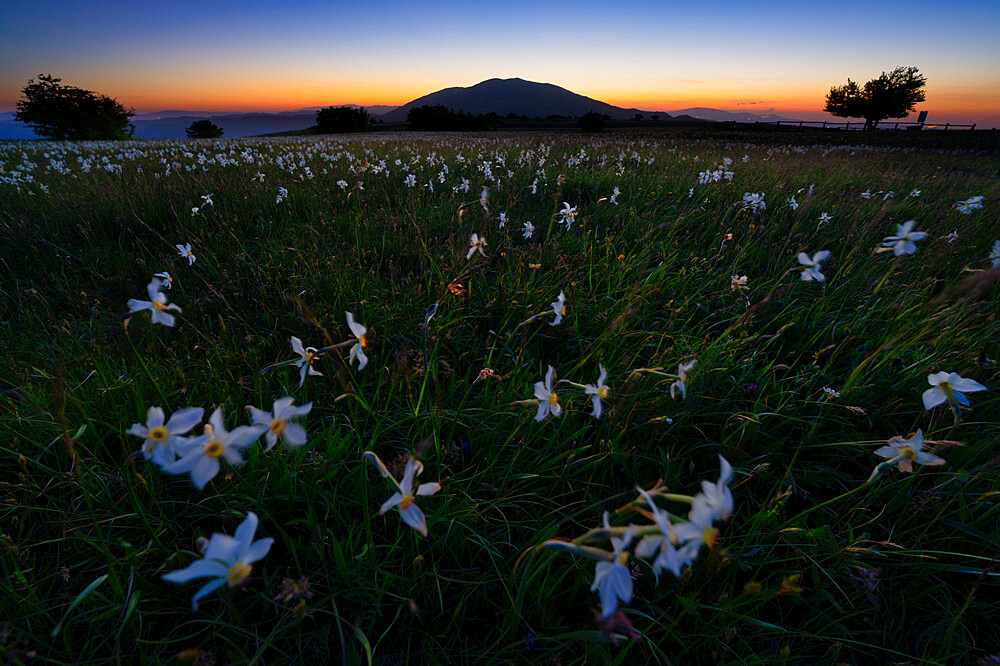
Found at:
<point>524,98</point>
<point>500,96</point>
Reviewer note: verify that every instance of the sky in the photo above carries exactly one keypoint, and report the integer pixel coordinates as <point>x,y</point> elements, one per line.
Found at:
<point>249,55</point>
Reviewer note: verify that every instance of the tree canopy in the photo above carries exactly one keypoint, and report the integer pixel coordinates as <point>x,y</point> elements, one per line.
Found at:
<point>439,118</point>
<point>891,95</point>
<point>55,111</point>
<point>203,129</point>
<point>338,119</point>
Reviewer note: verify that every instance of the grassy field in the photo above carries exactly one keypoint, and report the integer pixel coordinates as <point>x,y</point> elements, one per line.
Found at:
<point>796,383</point>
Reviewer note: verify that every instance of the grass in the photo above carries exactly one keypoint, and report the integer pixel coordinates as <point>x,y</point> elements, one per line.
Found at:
<point>814,565</point>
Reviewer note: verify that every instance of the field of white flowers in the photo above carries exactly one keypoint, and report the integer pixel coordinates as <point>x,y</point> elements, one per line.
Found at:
<point>499,398</point>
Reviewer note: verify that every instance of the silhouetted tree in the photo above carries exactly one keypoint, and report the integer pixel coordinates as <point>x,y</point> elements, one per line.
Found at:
<point>591,122</point>
<point>655,116</point>
<point>56,111</point>
<point>203,129</point>
<point>439,118</point>
<point>338,119</point>
<point>891,95</point>
<point>637,116</point>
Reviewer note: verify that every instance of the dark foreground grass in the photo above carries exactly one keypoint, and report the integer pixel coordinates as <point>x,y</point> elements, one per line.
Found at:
<point>814,566</point>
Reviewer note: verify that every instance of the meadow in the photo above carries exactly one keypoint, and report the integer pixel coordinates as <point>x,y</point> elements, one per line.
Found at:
<point>795,382</point>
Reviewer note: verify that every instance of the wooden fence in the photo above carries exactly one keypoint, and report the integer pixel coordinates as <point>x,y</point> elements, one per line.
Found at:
<point>860,125</point>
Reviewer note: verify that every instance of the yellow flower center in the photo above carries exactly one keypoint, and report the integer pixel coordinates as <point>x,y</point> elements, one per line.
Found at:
<point>238,573</point>
<point>190,253</point>
<point>277,426</point>
<point>908,453</point>
<point>214,449</point>
<point>407,501</point>
<point>157,305</point>
<point>564,311</point>
<point>946,389</point>
<point>603,392</point>
<point>553,399</point>
<point>363,340</point>
<point>709,536</point>
<point>159,434</point>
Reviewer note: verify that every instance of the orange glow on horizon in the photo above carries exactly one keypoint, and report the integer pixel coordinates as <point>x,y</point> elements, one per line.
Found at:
<point>952,101</point>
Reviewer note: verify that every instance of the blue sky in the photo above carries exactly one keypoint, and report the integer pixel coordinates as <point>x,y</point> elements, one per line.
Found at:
<point>655,55</point>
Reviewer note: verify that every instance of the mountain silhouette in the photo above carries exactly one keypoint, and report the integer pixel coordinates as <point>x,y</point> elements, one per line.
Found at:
<point>524,98</point>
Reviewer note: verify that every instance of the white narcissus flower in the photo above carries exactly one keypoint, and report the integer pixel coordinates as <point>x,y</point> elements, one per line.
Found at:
<point>503,220</point>
<point>681,383</point>
<point>529,229</point>
<point>738,282</point>
<point>612,580</point>
<point>185,251</point>
<point>405,499</point>
<point>559,307</point>
<point>661,545</point>
<point>548,399</point>
<point>600,392</point>
<point>716,497</point>
<point>476,243</point>
<point>279,422</point>
<point>157,305</point>
<point>969,205</point>
<point>568,214</point>
<point>904,242</point>
<point>908,451</point>
<point>995,254</point>
<point>163,281</point>
<point>698,531</point>
<point>754,201</point>
<point>357,350</point>
<point>228,560</point>
<point>304,364</point>
<point>200,455</point>
<point>163,439</point>
<point>951,388</point>
<point>812,265</point>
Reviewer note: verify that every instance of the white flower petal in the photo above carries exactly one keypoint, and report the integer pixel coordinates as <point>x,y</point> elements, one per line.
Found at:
<point>184,419</point>
<point>197,569</point>
<point>204,471</point>
<point>414,517</point>
<point>390,503</point>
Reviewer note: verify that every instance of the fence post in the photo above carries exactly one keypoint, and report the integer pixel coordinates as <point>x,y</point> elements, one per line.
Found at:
<point>896,126</point>
<point>946,125</point>
<point>847,125</point>
<point>824,124</point>
<point>973,126</point>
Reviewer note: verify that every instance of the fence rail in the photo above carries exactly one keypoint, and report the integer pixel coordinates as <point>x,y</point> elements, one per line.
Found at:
<point>860,125</point>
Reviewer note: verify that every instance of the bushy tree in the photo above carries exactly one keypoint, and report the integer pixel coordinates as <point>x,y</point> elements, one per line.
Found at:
<point>55,111</point>
<point>439,118</point>
<point>891,95</point>
<point>203,129</point>
<point>591,122</point>
<point>339,119</point>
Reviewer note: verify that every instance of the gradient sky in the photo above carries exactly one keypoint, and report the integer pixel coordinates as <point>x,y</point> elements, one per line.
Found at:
<point>251,55</point>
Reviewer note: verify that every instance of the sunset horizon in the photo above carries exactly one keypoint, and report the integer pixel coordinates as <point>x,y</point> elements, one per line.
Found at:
<point>221,58</point>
